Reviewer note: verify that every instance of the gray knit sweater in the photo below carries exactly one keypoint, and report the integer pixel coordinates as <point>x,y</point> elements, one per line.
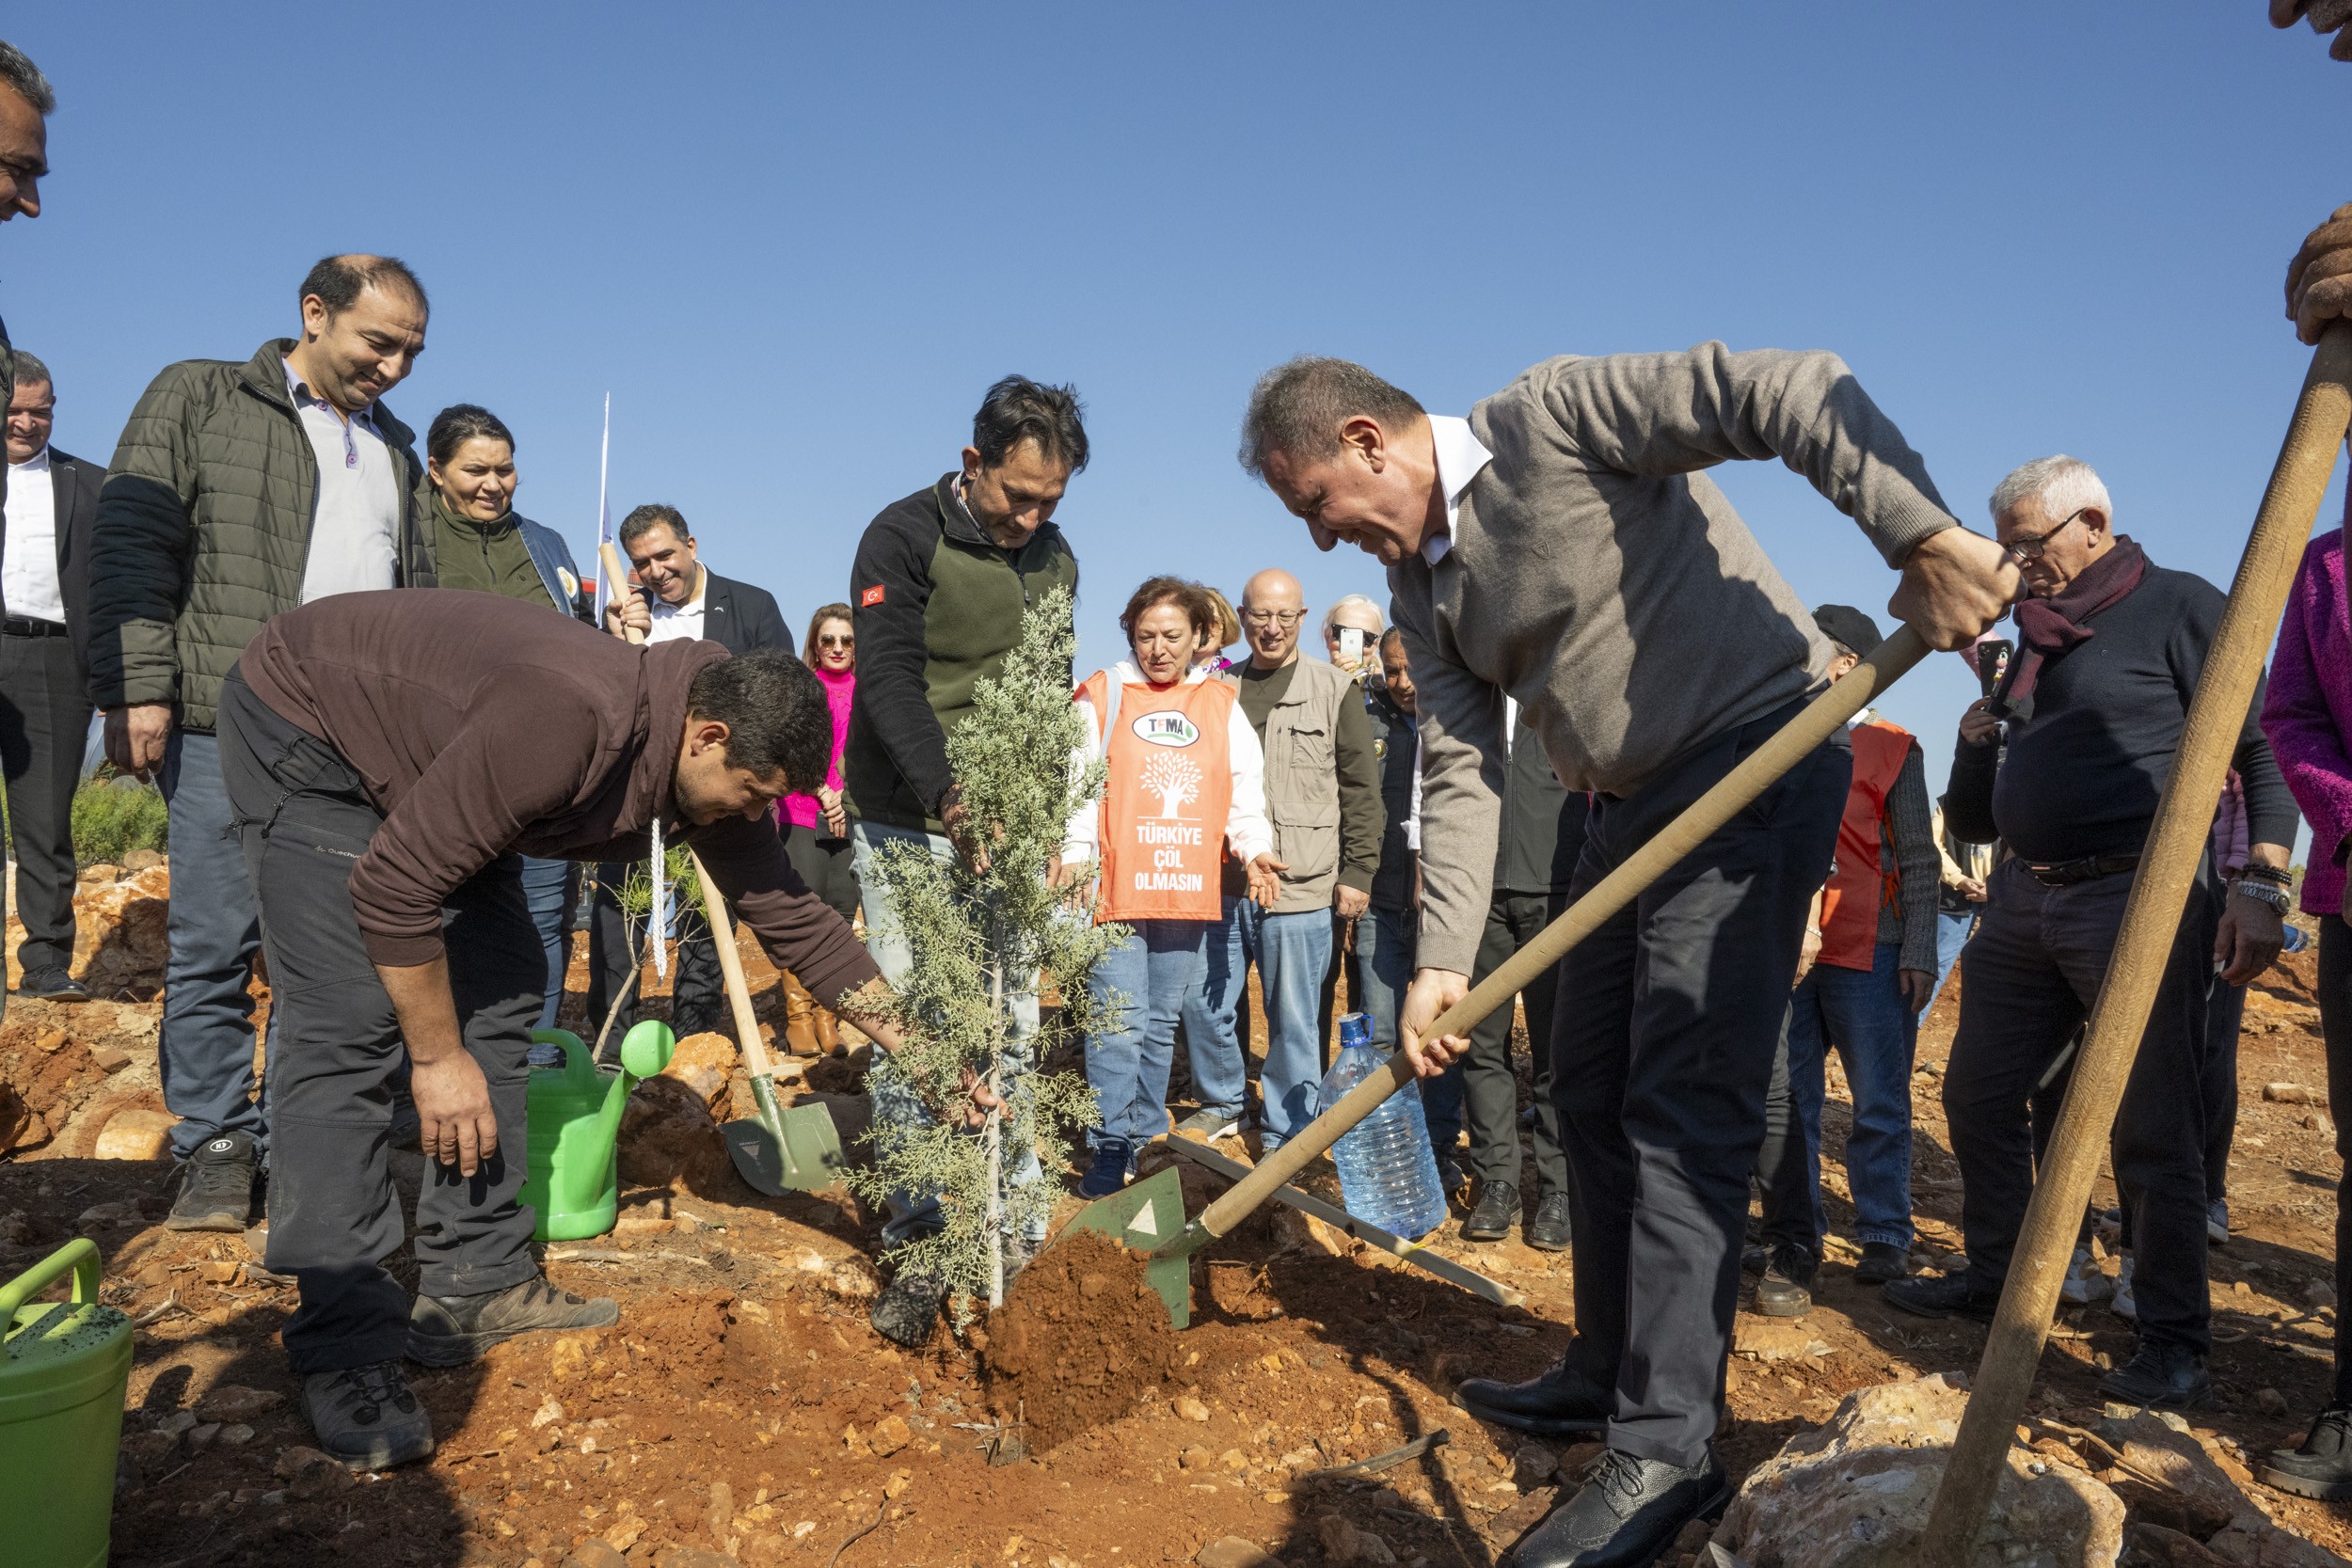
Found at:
<point>1596,576</point>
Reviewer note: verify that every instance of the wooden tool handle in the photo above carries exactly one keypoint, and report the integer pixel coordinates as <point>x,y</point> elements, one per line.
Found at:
<point>1699,822</point>
<point>731,966</point>
<point>2143,947</point>
<point>616,584</point>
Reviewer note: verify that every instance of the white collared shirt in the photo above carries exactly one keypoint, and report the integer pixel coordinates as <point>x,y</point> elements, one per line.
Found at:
<point>28,582</point>
<point>355,522</point>
<point>1460,456</point>
<point>676,621</point>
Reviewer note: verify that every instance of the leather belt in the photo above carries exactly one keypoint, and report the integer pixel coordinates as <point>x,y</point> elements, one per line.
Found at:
<point>2088,869</point>
<point>23,625</point>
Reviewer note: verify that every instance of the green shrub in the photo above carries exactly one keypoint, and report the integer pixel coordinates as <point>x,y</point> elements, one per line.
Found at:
<point>114,817</point>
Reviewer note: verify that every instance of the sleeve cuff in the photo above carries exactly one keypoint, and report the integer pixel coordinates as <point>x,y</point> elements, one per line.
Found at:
<point>401,952</point>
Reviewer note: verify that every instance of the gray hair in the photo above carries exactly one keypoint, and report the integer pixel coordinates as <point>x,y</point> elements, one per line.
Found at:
<point>25,77</point>
<point>28,371</point>
<point>1353,601</point>
<point>2064,486</point>
<point>1297,408</point>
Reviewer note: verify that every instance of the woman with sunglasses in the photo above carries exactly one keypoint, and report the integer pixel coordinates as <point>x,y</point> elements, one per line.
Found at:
<point>816,826</point>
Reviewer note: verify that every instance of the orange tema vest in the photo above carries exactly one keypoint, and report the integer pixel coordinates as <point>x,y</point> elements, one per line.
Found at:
<point>1850,908</point>
<point>1170,790</point>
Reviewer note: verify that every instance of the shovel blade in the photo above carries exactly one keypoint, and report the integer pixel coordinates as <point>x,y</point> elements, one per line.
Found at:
<point>1144,1218</point>
<point>802,1153</point>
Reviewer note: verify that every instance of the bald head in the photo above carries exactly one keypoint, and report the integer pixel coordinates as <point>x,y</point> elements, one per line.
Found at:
<point>363,319</point>
<point>1272,604</point>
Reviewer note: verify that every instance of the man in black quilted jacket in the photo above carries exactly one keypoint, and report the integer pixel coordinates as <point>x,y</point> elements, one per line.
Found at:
<point>238,491</point>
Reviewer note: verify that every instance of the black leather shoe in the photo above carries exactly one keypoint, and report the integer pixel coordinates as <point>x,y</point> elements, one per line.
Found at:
<point>1628,1512</point>
<point>1883,1263</point>
<point>1787,1289</point>
<point>2163,1377</point>
<point>1550,1230</point>
<point>1752,1260</point>
<point>53,984</point>
<point>1498,1211</point>
<point>1943,1296</point>
<point>2322,1467</point>
<point>1560,1401</point>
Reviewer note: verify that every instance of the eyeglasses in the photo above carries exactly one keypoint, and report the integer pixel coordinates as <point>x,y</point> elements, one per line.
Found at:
<point>1285,618</point>
<point>2029,548</point>
<point>835,639</point>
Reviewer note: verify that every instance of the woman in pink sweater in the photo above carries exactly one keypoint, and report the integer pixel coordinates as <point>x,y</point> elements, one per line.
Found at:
<point>817,827</point>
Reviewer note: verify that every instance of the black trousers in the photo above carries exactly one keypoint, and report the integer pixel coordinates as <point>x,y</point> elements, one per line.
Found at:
<point>1490,1094</point>
<point>1661,1048</point>
<point>827,866</point>
<point>698,994</point>
<point>2034,969</point>
<point>2335,1022</point>
<point>2225,1016</point>
<point>44,726</point>
<point>304,819</point>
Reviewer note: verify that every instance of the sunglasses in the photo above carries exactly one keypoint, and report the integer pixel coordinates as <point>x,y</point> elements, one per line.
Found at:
<point>836,641</point>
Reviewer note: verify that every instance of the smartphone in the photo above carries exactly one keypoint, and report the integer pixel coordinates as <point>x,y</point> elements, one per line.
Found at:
<point>1993,661</point>
<point>1351,646</point>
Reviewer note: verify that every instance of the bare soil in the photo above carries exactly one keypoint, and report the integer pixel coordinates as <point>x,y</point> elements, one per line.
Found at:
<point>744,1411</point>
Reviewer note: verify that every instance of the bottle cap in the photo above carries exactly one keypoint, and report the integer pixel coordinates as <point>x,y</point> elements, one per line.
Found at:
<point>1355,1029</point>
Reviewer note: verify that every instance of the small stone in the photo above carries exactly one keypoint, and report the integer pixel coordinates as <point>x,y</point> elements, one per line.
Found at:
<point>1195,1458</point>
<point>178,1422</point>
<point>109,1057</point>
<point>203,1437</point>
<point>213,1272</point>
<point>2317,1122</point>
<point>595,1552</point>
<point>1233,1460</point>
<point>1191,1409</point>
<point>48,1041</point>
<point>2320,1293</point>
<point>2241,1289</point>
<point>2270,1401</point>
<point>637,1224</point>
<point>1232,1551</point>
<point>308,1473</point>
<point>2293,1094</point>
<point>686,1224</point>
<point>853,1280</point>
<point>137,1134</point>
<point>889,1435</point>
<point>719,1518</point>
<point>236,1435</point>
<point>149,1448</point>
<point>233,1401</point>
<point>1532,1464</point>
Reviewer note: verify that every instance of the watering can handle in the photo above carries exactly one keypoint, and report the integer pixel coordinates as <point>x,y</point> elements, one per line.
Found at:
<point>79,1255</point>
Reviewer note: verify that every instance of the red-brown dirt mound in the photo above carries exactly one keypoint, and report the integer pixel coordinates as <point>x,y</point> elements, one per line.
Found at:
<point>1079,1339</point>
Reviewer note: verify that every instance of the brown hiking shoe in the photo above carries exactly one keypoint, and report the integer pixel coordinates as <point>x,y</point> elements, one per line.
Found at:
<point>450,1331</point>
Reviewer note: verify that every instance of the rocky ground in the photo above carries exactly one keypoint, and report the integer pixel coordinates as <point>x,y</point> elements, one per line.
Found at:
<point>744,1412</point>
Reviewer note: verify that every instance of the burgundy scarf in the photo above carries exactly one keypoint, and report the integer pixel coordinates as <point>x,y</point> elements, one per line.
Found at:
<point>2053,626</point>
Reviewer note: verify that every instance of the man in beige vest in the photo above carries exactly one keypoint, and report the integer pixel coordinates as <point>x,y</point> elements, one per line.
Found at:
<point>1322,795</point>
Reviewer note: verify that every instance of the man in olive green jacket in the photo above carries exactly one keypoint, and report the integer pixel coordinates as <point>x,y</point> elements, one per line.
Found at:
<point>238,491</point>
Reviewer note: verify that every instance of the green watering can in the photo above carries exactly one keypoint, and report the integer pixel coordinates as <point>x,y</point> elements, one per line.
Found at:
<point>572,1174</point>
<point>62,1384</point>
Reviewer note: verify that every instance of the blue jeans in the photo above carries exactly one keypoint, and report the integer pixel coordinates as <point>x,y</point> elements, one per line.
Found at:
<point>1140,985</point>
<point>547,890</point>
<point>1864,1017</point>
<point>1291,952</point>
<point>1951,935</point>
<point>214,929</point>
<point>1384,962</point>
<point>898,1109</point>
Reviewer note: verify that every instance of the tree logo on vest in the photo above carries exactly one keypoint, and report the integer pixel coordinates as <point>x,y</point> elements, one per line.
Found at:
<point>1165,728</point>
<point>1175,780</point>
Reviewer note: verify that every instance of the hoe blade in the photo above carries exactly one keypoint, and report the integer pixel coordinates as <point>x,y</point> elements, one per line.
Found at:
<point>802,1153</point>
<point>1144,1217</point>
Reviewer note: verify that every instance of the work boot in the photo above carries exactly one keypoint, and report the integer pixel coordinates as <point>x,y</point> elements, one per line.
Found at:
<point>800,1021</point>
<point>1114,1162</point>
<point>2160,1377</point>
<point>368,1417</point>
<point>2322,1467</point>
<point>1787,1289</point>
<point>1497,1212</point>
<point>450,1331</point>
<point>1625,1514</point>
<point>1883,1263</point>
<point>1550,1230</point>
<point>1944,1296</point>
<point>1559,1401</point>
<point>51,983</point>
<point>908,1309</point>
<point>216,1185</point>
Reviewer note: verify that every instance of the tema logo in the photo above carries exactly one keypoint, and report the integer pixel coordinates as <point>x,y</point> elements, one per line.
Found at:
<point>1165,729</point>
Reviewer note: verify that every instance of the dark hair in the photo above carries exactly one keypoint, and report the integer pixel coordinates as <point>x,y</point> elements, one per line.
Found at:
<point>28,371</point>
<point>1185,594</point>
<point>816,622</point>
<point>459,423</point>
<point>339,281</point>
<point>1018,409</point>
<point>25,77</point>
<point>1299,407</point>
<point>653,514</point>
<point>1395,635</point>
<point>776,715</point>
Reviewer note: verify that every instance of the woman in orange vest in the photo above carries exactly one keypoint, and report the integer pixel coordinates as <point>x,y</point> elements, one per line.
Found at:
<point>1186,779</point>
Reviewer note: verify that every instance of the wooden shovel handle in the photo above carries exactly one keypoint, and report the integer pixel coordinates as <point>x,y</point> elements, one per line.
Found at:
<point>616,584</point>
<point>731,965</point>
<point>1732,794</point>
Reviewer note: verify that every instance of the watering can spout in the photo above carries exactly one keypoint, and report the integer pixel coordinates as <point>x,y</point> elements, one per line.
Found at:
<point>645,1049</point>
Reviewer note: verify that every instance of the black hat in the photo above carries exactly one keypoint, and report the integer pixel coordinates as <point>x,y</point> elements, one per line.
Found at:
<point>1846,626</point>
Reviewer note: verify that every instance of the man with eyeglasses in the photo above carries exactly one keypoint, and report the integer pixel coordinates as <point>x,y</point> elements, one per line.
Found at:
<point>26,102</point>
<point>2112,646</point>
<point>1323,796</point>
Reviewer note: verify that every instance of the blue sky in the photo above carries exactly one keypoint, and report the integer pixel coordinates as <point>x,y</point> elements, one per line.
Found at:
<point>795,244</point>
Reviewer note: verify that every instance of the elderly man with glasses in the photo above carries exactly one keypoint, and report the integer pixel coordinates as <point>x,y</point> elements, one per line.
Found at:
<point>2065,761</point>
<point>1323,796</point>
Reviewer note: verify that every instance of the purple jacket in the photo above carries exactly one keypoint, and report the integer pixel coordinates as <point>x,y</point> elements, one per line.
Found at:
<point>2308,714</point>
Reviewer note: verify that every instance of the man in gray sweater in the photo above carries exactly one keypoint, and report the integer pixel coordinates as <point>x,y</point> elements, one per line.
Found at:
<point>1562,546</point>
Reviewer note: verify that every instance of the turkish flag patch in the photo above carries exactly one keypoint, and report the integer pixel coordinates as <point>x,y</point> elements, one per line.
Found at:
<point>871,598</point>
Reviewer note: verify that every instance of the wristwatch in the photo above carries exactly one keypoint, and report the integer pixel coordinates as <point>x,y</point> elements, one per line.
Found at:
<point>2265,893</point>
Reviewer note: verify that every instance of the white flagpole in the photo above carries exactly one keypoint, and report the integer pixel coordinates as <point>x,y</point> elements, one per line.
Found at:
<point>604,512</point>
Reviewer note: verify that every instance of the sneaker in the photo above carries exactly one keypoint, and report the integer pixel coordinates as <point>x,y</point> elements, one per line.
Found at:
<point>2084,1283</point>
<point>368,1417</point>
<point>2160,1377</point>
<point>2121,1303</point>
<point>450,1331</point>
<point>908,1309</point>
<point>2218,1222</point>
<point>54,982</point>
<point>1883,1263</point>
<point>1497,1212</point>
<point>2322,1467</point>
<point>216,1186</point>
<point>1114,1162</point>
<point>1211,1125</point>
<point>1943,1296</point>
<point>1786,1291</point>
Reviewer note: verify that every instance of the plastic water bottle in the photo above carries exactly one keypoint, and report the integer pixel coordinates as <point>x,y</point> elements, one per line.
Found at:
<point>1388,1174</point>
<point>2297,939</point>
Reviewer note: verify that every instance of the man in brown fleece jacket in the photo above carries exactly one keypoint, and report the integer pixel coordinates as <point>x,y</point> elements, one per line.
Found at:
<point>391,757</point>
